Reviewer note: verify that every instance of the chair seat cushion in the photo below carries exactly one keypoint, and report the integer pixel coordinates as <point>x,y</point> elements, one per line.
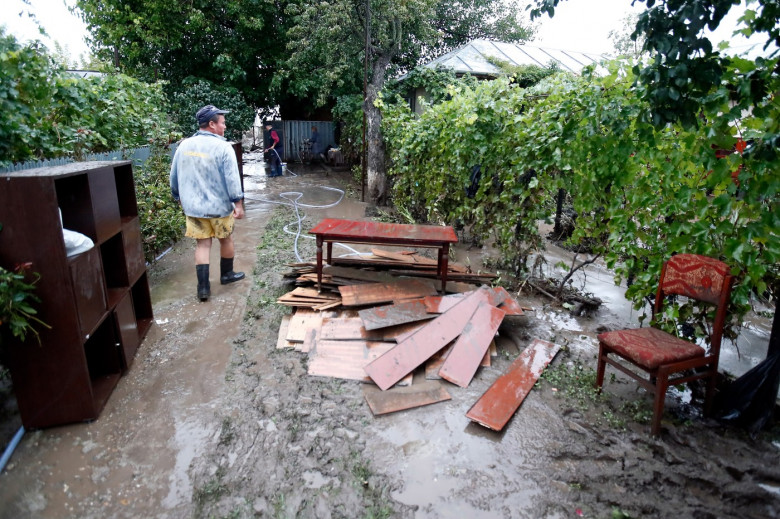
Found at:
<point>650,347</point>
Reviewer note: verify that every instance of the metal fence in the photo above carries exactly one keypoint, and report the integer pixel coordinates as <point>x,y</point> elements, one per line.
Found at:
<point>137,155</point>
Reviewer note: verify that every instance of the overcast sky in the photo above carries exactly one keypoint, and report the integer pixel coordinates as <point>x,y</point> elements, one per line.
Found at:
<point>578,25</point>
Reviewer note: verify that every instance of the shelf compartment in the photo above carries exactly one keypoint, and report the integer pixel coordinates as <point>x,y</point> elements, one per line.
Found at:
<point>142,305</point>
<point>86,272</point>
<point>134,250</point>
<point>74,201</point>
<point>125,189</point>
<point>89,203</point>
<point>126,324</point>
<point>112,252</point>
<point>102,352</point>
<point>105,206</point>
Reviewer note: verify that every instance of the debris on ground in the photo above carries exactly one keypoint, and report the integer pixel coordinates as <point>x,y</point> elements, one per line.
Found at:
<point>379,324</point>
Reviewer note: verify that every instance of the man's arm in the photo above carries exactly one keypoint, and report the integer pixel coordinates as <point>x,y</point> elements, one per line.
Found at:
<point>233,182</point>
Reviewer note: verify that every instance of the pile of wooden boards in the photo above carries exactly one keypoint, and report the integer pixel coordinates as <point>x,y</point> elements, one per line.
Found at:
<point>450,336</point>
<point>380,267</point>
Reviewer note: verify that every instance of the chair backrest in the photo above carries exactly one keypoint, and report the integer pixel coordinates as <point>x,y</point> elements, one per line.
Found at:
<point>697,277</point>
<point>701,278</point>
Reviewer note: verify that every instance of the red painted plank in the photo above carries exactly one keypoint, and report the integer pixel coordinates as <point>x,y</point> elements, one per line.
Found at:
<point>506,302</point>
<point>472,345</point>
<point>419,347</point>
<point>390,315</point>
<point>440,304</point>
<point>497,405</point>
<point>434,364</point>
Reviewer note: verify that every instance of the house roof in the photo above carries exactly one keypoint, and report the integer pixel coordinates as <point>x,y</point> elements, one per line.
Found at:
<point>472,58</point>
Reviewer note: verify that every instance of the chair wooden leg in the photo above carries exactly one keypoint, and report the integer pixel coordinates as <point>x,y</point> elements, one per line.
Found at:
<point>661,385</point>
<point>602,364</point>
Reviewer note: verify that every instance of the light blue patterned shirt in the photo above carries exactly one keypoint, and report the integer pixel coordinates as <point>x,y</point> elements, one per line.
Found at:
<point>204,176</point>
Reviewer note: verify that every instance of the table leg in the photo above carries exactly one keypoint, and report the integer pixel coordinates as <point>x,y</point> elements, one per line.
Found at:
<point>319,264</point>
<point>444,256</point>
<point>330,253</point>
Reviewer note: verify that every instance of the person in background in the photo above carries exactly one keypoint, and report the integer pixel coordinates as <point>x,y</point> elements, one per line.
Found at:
<point>316,144</point>
<point>206,181</point>
<point>274,150</point>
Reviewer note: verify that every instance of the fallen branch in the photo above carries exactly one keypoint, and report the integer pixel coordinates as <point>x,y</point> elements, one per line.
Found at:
<point>574,269</point>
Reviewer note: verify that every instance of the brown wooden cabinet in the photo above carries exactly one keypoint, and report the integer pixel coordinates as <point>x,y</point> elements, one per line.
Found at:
<point>97,303</point>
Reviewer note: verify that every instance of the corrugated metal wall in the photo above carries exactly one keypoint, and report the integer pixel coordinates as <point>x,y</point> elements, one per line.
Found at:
<point>295,132</point>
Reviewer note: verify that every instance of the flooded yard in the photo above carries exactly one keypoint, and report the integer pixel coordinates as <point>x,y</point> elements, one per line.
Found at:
<point>212,420</point>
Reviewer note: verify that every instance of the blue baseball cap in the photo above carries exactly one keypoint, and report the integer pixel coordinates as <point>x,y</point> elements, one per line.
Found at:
<point>206,113</point>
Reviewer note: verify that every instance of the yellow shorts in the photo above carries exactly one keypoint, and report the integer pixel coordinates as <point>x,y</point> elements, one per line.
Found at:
<point>202,228</point>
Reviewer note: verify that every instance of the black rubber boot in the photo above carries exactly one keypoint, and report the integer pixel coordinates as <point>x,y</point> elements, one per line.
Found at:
<point>226,269</point>
<point>204,287</point>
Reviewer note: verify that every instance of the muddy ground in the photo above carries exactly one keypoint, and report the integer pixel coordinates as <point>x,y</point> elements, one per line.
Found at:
<point>213,421</point>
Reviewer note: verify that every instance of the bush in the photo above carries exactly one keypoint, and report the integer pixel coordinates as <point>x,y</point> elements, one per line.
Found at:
<point>49,113</point>
<point>162,220</point>
<point>195,93</point>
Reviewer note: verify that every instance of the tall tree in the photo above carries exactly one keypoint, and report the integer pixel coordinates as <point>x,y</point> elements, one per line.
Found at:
<point>328,45</point>
<point>625,45</point>
<point>228,42</point>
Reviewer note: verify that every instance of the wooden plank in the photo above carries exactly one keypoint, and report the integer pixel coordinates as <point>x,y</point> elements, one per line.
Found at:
<point>346,359</point>
<point>313,293</point>
<point>310,340</point>
<point>434,364</point>
<point>400,399</point>
<point>440,304</point>
<point>402,258</point>
<point>302,300</point>
<point>420,346</point>
<point>472,346</point>
<point>512,307</point>
<point>422,260</point>
<point>375,293</point>
<point>353,273</point>
<point>402,331</point>
<point>301,321</point>
<point>346,328</point>
<point>351,328</point>
<point>327,306</point>
<point>391,315</point>
<point>497,405</point>
<point>506,302</point>
<point>282,342</point>
<point>485,363</point>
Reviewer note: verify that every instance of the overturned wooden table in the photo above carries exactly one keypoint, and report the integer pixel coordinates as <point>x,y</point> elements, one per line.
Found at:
<point>378,233</point>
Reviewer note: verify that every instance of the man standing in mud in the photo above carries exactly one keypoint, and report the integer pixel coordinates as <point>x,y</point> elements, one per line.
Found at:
<point>205,180</point>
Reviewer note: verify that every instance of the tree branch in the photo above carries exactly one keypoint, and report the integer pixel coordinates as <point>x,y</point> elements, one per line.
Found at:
<point>574,269</point>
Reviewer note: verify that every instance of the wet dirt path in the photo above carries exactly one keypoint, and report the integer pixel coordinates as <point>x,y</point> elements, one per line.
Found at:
<point>133,461</point>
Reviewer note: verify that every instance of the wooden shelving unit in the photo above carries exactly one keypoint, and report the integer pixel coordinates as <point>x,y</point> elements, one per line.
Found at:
<point>97,303</point>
